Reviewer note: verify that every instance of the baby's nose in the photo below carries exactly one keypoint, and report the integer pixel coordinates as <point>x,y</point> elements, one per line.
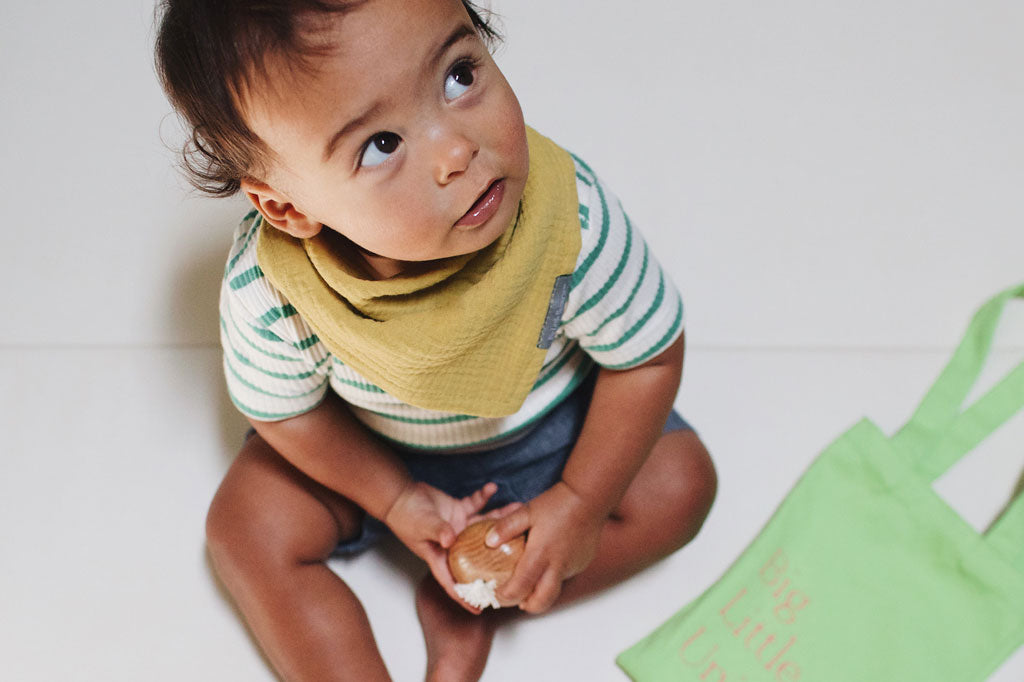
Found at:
<point>454,154</point>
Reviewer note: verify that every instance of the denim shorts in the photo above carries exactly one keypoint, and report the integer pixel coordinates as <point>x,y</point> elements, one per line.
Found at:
<point>522,469</point>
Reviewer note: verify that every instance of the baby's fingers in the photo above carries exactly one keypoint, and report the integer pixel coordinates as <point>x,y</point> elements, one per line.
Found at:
<point>442,533</point>
<point>500,512</point>
<point>523,581</point>
<point>478,500</point>
<point>439,568</point>
<point>510,526</point>
<point>545,594</point>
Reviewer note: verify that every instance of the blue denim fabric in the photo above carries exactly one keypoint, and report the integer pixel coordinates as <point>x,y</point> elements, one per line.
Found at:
<point>522,469</point>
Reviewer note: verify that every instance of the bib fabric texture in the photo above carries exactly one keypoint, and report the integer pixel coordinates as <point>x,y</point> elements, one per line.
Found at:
<point>864,572</point>
<point>465,337</point>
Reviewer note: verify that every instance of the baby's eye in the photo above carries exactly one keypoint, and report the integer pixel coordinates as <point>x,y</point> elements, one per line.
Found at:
<point>378,148</point>
<point>459,79</point>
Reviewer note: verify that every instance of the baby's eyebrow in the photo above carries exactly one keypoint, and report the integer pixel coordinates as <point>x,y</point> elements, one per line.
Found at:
<point>461,31</point>
<point>350,126</point>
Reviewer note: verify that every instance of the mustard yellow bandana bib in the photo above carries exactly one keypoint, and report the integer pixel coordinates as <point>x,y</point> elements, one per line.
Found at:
<point>468,336</point>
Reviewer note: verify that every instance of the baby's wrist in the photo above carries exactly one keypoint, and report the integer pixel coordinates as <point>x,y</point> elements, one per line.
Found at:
<point>588,505</point>
<point>391,504</point>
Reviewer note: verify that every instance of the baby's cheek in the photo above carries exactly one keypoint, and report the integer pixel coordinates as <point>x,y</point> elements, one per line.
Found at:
<point>517,148</point>
<point>521,154</point>
<point>506,119</point>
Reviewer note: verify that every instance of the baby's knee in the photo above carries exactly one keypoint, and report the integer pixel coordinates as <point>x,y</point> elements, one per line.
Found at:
<point>263,519</point>
<point>251,540</point>
<point>688,483</point>
<point>699,470</point>
<point>232,531</point>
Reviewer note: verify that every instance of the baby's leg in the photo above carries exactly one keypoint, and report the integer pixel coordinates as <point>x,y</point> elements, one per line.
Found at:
<point>458,642</point>
<point>663,509</point>
<point>270,530</point>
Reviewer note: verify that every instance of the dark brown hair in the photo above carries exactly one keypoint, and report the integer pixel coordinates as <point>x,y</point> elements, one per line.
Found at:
<point>208,51</point>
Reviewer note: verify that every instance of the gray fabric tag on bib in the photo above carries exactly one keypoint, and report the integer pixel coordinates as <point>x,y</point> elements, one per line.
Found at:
<point>559,296</point>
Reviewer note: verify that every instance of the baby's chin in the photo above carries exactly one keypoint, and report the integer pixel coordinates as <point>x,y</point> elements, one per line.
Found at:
<point>458,243</point>
<point>384,268</point>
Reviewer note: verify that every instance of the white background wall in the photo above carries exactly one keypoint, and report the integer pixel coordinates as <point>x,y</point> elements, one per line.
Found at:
<point>834,187</point>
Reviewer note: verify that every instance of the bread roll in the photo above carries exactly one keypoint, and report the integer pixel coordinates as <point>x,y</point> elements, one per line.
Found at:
<point>470,559</point>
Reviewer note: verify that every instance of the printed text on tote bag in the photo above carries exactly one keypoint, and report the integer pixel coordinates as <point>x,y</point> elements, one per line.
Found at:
<point>770,643</point>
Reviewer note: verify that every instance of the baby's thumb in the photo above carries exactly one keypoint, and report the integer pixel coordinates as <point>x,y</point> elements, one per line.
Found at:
<point>442,533</point>
<point>511,526</point>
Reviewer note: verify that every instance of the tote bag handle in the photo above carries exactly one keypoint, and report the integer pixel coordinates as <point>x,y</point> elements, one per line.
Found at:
<point>939,434</point>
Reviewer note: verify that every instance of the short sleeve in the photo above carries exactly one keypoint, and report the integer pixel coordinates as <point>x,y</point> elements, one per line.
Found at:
<point>274,364</point>
<point>623,309</point>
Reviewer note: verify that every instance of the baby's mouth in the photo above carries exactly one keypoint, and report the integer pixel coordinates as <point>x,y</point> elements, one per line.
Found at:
<point>485,206</point>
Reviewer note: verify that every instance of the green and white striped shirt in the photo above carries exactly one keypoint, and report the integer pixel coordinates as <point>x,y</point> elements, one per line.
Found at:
<point>622,310</point>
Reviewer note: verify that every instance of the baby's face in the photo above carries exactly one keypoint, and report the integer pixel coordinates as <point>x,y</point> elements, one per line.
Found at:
<point>406,138</point>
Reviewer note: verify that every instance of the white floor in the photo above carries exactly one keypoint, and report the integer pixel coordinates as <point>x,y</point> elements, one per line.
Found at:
<point>111,456</point>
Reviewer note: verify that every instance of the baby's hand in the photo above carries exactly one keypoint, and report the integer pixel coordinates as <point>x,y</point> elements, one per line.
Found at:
<point>427,520</point>
<point>562,541</point>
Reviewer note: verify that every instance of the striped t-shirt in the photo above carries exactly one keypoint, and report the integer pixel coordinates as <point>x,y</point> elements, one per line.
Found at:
<point>622,310</point>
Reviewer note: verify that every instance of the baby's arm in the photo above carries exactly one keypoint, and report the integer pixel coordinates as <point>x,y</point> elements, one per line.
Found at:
<point>332,447</point>
<point>626,417</point>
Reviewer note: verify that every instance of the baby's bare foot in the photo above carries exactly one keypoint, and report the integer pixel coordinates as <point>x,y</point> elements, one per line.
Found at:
<point>458,642</point>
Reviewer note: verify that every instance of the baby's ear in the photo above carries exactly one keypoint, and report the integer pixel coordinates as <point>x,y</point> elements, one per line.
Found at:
<point>279,211</point>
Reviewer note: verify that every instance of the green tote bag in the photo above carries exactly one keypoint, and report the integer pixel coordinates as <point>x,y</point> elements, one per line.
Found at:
<point>864,574</point>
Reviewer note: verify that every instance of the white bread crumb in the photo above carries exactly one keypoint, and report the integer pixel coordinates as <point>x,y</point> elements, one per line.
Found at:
<point>478,593</point>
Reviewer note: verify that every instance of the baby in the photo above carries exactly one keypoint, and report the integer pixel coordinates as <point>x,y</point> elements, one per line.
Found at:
<point>433,314</point>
